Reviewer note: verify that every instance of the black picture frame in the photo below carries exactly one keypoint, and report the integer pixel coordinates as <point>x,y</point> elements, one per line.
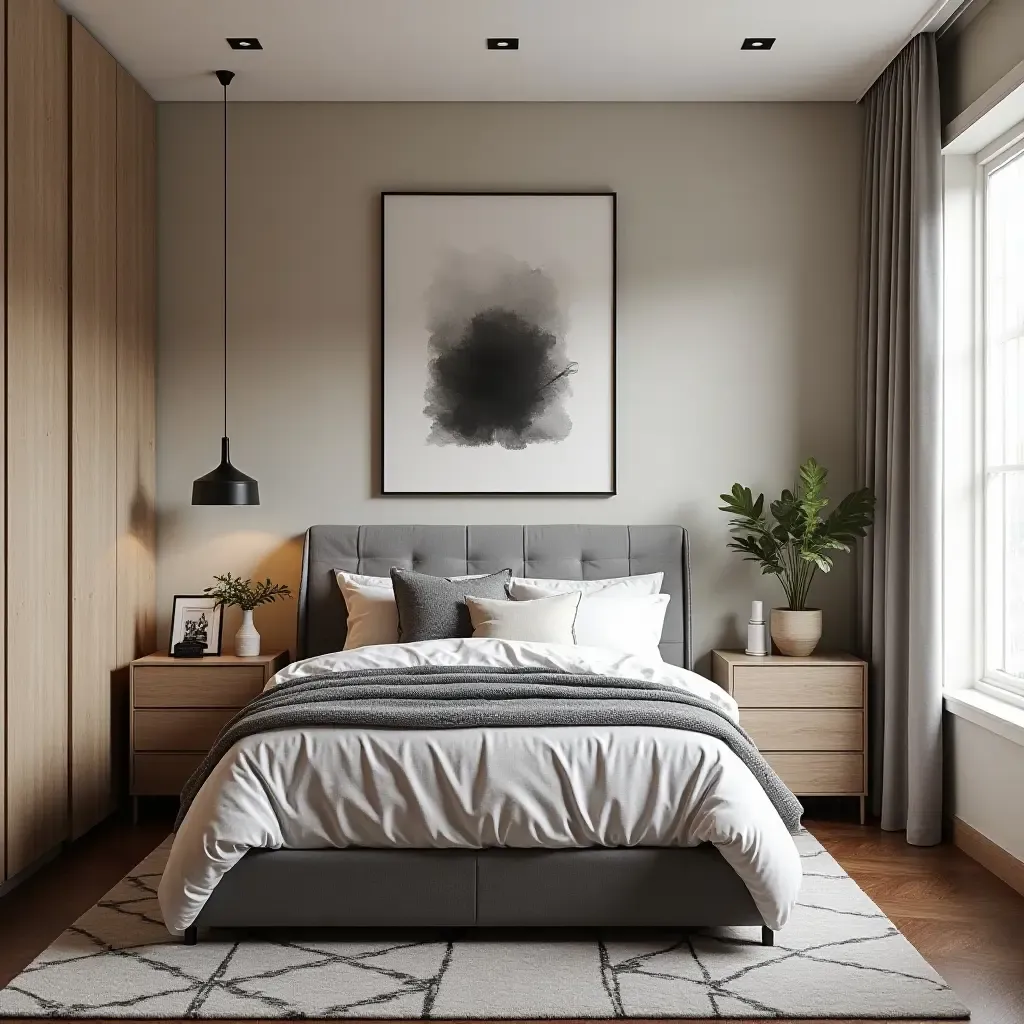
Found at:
<point>219,624</point>
<point>382,489</point>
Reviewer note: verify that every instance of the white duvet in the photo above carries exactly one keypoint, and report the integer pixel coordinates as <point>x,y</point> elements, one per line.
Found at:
<point>556,787</point>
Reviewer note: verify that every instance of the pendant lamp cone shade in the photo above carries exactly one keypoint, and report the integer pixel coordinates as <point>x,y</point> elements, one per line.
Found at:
<point>225,485</point>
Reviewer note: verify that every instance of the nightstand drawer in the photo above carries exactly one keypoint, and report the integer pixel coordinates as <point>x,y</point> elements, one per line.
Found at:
<point>827,774</point>
<point>160,686</point>
<point>802,686</point>
<point>163,774</point>
<point>182,730</point>
<point>824,729</point>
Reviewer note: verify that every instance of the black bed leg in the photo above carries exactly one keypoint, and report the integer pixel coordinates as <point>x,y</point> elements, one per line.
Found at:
<point>191,935</point>
<point>767,936</point>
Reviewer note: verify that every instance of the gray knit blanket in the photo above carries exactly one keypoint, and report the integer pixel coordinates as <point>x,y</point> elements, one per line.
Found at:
<point>466,697</point>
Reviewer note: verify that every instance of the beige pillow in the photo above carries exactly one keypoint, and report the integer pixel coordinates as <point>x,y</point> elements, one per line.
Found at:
<point>372,612</point>
<point>548,620</point>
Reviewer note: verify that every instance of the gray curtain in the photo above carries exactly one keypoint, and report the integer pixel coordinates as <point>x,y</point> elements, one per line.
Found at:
<point>899,431</point>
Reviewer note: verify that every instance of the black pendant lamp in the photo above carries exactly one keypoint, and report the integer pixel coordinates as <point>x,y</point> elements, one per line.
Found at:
<point>225,485</point>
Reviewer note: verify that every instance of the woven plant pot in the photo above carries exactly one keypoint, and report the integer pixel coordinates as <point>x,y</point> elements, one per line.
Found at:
<point>796,634</point>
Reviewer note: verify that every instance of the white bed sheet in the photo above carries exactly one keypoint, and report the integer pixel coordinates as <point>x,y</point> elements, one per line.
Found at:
<point>556,787</point>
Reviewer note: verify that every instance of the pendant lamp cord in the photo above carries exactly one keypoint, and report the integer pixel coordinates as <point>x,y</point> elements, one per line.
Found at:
<point>225,434</point>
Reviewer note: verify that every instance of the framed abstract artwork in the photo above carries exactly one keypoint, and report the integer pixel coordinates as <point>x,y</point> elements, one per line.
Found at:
<point>498,343</point>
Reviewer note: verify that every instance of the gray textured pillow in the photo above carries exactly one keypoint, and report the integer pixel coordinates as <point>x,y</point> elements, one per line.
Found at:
<point>434,608</point>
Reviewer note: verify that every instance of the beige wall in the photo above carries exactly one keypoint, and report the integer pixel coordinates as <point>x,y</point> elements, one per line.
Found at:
<point>737,281</point>
<point>973,58</point>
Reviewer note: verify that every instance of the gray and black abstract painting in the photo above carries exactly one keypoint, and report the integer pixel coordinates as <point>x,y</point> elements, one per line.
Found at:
<point>498,350</point>
<point>498,370</point>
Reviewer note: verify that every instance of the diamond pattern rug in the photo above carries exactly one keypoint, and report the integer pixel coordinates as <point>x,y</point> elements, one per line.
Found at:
<point>838,957</point>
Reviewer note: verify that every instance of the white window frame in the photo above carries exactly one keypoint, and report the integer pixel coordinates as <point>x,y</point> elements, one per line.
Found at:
<point>991,681</point>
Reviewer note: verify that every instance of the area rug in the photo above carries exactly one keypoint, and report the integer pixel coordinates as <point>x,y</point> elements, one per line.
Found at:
<point>838,957</point>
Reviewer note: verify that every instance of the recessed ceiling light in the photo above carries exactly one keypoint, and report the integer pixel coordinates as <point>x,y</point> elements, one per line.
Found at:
<point>245,43</point>
<point>758,43</point>
<point>503,43</point>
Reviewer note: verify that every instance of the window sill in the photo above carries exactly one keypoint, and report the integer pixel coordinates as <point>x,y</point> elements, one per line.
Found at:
<point>998,716</point>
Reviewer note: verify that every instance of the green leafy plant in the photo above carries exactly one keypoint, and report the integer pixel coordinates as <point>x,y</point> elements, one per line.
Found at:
<point>233,590</point>
<point>800,540</point>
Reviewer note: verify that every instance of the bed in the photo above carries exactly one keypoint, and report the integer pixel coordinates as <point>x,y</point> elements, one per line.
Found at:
<point>749,880</point>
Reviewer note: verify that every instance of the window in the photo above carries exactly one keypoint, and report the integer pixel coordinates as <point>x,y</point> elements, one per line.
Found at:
<point>1002,399</point>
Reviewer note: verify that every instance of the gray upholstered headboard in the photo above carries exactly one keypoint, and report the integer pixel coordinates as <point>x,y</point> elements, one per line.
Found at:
<point>552,552</point>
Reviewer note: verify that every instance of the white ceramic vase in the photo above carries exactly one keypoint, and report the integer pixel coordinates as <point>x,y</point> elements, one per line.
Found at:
<point>796,634</point>
<point>247,640</point>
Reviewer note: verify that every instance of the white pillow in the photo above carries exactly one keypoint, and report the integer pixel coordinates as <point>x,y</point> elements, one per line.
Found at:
<point>616,619</point>
<point>547,620</point>
<point>372,612</point>
<point>647,584</point>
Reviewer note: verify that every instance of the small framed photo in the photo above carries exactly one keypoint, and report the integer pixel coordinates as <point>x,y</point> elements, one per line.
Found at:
<point>198,618</point>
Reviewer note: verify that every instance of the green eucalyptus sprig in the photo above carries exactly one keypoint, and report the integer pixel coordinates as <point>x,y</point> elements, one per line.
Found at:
<point>233,590</point>
<point>797,544</point>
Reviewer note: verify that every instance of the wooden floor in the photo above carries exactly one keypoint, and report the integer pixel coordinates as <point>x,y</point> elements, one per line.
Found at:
<point>967,923</point>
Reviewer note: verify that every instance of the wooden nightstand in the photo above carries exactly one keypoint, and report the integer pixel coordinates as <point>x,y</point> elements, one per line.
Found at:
<point>808,716</point>
<point>178,705</point>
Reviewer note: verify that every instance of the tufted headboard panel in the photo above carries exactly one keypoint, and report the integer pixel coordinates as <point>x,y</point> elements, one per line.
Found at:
<point>551,552</point>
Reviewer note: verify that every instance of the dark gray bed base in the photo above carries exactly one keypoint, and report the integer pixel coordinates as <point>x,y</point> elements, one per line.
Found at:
<point>636,887</point>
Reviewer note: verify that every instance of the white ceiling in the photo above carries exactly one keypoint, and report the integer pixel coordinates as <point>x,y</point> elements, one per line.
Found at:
<point>569,49</point>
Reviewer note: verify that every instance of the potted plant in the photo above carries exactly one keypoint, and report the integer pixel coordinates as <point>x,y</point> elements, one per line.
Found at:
<point>794,543</point>
<point>233,590</point>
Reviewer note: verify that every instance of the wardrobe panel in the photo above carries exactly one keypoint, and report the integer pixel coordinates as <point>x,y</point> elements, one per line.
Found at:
<point>3,475</point>
<point>93,344</point>
<point>37,431</point>
<point>136,357</point>
<point>147,364</point>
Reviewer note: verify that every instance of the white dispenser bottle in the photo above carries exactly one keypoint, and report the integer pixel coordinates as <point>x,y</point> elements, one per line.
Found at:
<point>757,631</point>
